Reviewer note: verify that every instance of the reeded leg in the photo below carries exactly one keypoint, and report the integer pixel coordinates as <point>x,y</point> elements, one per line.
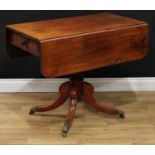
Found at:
<point>76,90</point>
<point>64,93</point>
<point>71,112</point>
<point>88,97</point>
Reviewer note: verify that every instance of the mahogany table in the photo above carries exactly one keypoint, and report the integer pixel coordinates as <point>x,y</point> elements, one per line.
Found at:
<point>77,44</point>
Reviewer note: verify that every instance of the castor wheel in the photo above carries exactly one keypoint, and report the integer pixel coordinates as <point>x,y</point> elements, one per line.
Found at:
<point>65,130</point>
<point>64,134</point>
<point>121,114</point>
<point>32,111</point>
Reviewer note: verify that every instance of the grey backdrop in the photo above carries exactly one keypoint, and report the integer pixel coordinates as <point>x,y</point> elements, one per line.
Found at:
<point>29,67</point>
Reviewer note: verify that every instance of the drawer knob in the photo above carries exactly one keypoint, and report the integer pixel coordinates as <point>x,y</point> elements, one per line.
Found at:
<point>25,43</point>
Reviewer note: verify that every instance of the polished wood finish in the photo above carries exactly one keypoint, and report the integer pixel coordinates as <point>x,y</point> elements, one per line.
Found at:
<point>24,43</point>
<point>76,89</point>
<point>71,26</point>
<point>88,97</point>
<point>64,94</point>
<point>93,51</point>
<point>17,127</point>
<point>11,50</point>
<point>77,44</point>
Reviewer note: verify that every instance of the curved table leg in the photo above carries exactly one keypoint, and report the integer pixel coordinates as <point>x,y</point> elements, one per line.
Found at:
<point>64,93</point>
<point>88,97</point>
<point>71,112</point>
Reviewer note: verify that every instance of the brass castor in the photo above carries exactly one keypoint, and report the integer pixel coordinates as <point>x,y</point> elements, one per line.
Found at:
<point>121,114</point>
<point>65,130</point>
<point>32,111</point>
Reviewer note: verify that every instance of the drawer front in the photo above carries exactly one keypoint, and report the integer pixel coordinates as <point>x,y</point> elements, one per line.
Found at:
<point>24,43</point>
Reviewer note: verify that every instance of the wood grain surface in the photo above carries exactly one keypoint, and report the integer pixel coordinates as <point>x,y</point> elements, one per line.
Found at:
<point>85,52</point>
<point>24,43</point>
<point>70,26</point>
<point>78,44</point>
<point>18,127</point>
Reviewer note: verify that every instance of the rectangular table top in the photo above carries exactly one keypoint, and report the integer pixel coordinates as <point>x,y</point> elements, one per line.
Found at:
<point>77,44</point>
<point>66,27</point>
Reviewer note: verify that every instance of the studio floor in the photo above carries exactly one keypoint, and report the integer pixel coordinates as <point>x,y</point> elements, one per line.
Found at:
<point>89,127</point>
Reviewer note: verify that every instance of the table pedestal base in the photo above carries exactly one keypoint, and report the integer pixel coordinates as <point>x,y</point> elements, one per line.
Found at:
<point>76,90</point>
